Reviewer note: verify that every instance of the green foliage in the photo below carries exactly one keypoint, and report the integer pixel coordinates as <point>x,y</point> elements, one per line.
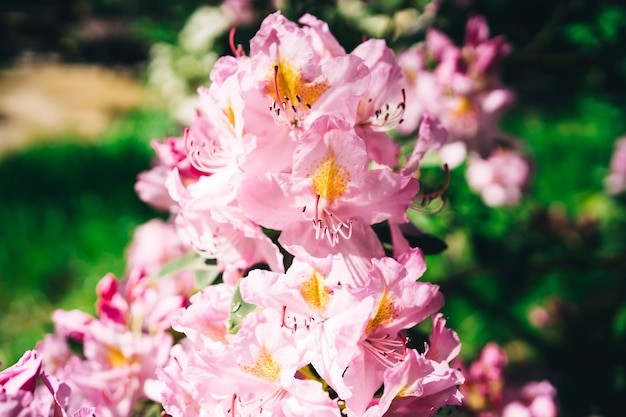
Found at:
<point>67,213</point>
<point>239,309</point>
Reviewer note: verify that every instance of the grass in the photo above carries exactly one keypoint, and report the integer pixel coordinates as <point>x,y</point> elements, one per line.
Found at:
<point>67,213</point>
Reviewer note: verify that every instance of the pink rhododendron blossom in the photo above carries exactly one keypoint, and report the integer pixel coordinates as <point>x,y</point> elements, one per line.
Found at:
<point>320,38</point>
<point>500,178</point>
<point>297,84</point>
<point>26,391</point>
<point>73,324</point>
<point>178,396</point>
<point>463,90</point>
<point>488,394</point>
<point>615,182</point>
<point>154,244</point>
<point>401,302</point>
<point>116,366</point>
<point>431,136</point>
<point>214,224</point>
<point>23,375</point>
<point>418,386</point>
<point>238,12</point>
<point>536,399</point>
<point>382,107</point>
<point>290,164</point>
<point>215,139</point>
<point>329,189</point>
<point>150,186</point>
<point>204,320</point>
<point>329,317</point>
<point>257,373</point>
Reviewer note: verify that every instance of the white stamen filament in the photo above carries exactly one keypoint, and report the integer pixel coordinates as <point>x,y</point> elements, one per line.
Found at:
<point>259,402</point>
<point>386,351</point>
<point>207,154</point>
<point>388,116</point>
<point>327,225</point>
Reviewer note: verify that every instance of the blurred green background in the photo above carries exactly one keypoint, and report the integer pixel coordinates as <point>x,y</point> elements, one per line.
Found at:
<point>545,279</point>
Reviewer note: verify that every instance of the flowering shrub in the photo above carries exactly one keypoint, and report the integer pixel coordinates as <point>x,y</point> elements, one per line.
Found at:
<point>272,289</point>
<point>487,393</point>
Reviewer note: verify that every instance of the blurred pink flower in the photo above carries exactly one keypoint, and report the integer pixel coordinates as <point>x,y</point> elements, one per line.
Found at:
<point>500,178</point>
<point>488,394</point>
<point>615,182</point>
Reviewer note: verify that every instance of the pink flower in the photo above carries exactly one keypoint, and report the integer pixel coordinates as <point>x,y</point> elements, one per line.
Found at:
<point>204,320</point>
<point>431,136</point>
<point>536,399</point>
<point>21,395</point>
<point>401,302</point>
<point>178,396</point>
<point>382,106</point>
<point>215,141</point>
<point>150,186</point>
<point>418,387</point>
<point>329,317</point>
<point>329,189</point>
<point>615,182</point>
<point>463,91</point>
<point>255,373</point>
<point>117,366</point>
<point>500,178</point>
<point>23,375</point>
<point>488,394</point>
<point>291,82</point>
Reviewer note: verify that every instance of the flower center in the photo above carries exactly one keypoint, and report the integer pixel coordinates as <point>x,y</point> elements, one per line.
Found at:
<point>293,94</point>
<point>116,357</point>
<point>385,312</point>
<point>315,292</point>
<point>329,179</point>
<point>387,117</point>
<point>265,367</point>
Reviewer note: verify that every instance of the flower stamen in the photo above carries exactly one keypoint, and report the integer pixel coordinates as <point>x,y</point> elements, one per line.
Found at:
<point>388,116</point>
<point>386,351</point>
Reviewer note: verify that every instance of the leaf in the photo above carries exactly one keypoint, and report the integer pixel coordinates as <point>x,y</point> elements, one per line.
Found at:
<point>189,261</point>
<point>239,309</point>
<point>429,244</point>
<point>206,276</point>
<point>205,273</point>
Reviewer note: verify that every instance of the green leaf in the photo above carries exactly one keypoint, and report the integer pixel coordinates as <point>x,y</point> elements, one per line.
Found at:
<point>239,309</point>
<point>188,261</point>
<point>205,273</point>
<point>429,244</point>
<point>206,276</point>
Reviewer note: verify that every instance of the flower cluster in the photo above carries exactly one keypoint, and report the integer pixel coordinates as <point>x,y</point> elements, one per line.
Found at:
<point>488,394</point>
<point>26,390</point>
<point>461,87</point>
<point>293,140</point>
<point>120,349</point>
<point>271,291</point>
